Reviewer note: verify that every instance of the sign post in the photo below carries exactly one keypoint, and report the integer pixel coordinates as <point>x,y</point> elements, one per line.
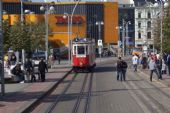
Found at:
<point>100,45</point>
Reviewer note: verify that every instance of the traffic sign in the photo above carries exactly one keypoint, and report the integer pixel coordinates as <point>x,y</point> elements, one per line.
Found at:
<point>100,43</point>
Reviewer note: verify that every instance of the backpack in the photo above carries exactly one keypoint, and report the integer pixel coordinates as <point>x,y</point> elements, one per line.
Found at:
<point>124,64</point>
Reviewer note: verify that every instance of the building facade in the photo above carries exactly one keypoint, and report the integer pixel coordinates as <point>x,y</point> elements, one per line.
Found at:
<point>144,21</point>
<point>84,20</point>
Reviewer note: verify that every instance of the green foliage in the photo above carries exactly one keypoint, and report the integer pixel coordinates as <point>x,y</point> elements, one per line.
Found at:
<point>6,32</point>
<point>23,36</point>
<point>37,36</point>
<point>166,32</point>
<point>19,37</point>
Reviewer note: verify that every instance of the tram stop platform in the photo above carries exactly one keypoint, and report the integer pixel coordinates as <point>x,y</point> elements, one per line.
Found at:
<point>20,96</point>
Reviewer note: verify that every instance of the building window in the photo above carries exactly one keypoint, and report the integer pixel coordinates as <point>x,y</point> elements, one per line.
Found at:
<point>139,15</point>
<point>149,15</point>
<point>139,35</point>
<point>139,24</point>
<point>149,24</point>
<point>149,35</point>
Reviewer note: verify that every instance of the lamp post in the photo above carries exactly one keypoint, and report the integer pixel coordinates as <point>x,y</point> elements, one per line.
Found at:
<point>66,15</point>
<point>123,38</point>
<point>100,23</point>
<point>161,4</point>
<point>119,41</point>
<point>1,53</point>
<point>22,12</point>
<point>127,35</point>
<point>71,25</point>
<point>46,9</point>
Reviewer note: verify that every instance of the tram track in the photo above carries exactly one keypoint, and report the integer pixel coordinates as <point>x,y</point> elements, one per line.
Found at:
<point>147,99</point>
<point>57,100</point>
<point>82,97</point>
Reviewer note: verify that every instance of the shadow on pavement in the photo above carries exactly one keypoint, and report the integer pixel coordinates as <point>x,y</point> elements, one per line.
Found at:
<point>104,69</point>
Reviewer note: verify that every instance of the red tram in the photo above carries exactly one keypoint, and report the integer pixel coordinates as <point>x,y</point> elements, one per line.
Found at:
<point>83,54</point>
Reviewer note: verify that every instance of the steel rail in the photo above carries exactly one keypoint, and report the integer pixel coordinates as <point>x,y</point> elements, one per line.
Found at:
<point>76,106</point>
<point>87,105</point>
<point>57,100</point>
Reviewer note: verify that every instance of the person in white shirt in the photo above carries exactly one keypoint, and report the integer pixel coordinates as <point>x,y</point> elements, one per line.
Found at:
<point>152,68</point>
<point>135,61</point>
<point>163,67</point>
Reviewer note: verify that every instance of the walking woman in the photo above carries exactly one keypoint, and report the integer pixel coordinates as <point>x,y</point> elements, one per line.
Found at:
<point>152,67</point>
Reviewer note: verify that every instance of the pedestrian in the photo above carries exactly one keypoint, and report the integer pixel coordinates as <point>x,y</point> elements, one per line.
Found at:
<point>41,68</point>
<point>18,73</point>
<point>13,59</point>
<point>135,60</point>
<point>51,60</point>
<point>118,68</point>
<point>124,68</point>
<point>144,61</point>
<point>29,70</point>
<point>152,68</point>
<point>159,66</point>
<point>168,63</point>
<point>59,59</point>
<point>163,67</point>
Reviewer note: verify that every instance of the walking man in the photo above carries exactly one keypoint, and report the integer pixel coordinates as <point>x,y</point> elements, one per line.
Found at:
<point>135,62</point>
<point>28,68</point>
<point>152,67</point>
<point>42,67</point>
<point>118,68</point>
<point>124,68</point>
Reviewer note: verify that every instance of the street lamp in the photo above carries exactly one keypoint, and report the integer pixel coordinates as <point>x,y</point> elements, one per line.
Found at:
<point>125,29</point>
<point>66,16</point>
<point>119,41</point>
<point>22,15</point>
<point>71,24</point>
<point>161,4</point>
<point>127,33</point>
<point>100,23</point>
<point>46,9</point>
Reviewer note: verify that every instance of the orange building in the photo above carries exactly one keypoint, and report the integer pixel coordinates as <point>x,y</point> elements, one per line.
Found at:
<point>84,20</point>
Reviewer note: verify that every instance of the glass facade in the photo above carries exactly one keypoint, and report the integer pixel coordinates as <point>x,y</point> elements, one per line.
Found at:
<point>92,12</point>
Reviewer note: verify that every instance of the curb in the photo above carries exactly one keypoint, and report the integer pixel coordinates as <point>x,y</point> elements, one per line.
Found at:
<point>30,106</point>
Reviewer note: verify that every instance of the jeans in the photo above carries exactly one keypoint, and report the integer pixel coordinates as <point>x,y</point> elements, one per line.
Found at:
<point>135,67</point>
<point>123,74</point>
<point>119,74</point>
<point>155,71</point>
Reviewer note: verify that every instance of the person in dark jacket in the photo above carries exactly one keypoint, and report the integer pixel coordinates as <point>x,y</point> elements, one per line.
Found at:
<point>30,70</point>
<point>41,68</point>
<point>124,68</point>
<point>118,68</point>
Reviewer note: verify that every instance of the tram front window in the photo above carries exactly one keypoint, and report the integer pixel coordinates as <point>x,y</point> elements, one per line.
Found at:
<point>80,50</point>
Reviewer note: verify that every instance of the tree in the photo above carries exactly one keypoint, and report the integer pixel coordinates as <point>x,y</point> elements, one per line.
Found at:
<point>165,32</point>
<point>19,37</point>
<point>37,35</point>
<point>6,32</point>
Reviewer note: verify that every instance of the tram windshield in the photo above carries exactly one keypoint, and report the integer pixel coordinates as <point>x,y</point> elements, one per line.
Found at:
<point>80,50</point>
